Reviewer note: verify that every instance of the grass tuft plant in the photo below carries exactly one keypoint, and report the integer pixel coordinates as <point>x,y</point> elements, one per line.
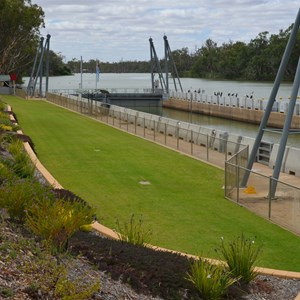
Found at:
<point>212,281</point>
<point>57,220</point>
<point>5,174</point>
<point>241,256</point>
<point>16,196</point>
<point>76,289</point>
<point>21,163</point>
<point>43,276</point>
<point>134,232</point>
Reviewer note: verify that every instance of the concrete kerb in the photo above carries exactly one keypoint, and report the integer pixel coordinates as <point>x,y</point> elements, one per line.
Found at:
<point>109,233</point>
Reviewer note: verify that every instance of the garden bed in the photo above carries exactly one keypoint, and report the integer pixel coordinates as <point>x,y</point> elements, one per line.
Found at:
<point>163,274</point>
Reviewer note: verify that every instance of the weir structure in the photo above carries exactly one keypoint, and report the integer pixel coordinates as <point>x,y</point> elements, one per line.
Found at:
<point>288,119</point>
<point>37,71</point>
<point>169,65</point>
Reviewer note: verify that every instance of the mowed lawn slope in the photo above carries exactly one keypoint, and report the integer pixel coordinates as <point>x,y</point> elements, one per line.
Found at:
<point>183,204</point>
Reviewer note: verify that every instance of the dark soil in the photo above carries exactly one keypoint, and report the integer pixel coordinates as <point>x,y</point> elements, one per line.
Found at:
<point>148,271</point>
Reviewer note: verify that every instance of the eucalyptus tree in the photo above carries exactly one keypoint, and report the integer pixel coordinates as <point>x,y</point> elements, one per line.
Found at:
<point>20,23</point>
<point>207,61</point>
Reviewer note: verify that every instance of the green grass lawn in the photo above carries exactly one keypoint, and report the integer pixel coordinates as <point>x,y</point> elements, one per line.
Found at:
<point>183,204</point>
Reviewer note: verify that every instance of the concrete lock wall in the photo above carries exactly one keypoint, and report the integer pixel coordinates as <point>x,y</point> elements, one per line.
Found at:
<point>244,110</point>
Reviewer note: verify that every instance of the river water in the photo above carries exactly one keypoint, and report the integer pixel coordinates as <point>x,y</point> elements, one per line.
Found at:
<point>132,81</point>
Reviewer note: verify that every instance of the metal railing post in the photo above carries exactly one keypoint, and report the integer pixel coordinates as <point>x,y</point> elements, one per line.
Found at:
<point>237,183</point>
<point>270,196</point>
<point>192,142</point>
<point>165,134</point>
<point>225,179</point>
<point>177,137</point>
<point>207,148</point>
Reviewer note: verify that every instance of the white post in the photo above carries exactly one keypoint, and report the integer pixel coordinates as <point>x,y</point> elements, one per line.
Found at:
<point>81,72</point>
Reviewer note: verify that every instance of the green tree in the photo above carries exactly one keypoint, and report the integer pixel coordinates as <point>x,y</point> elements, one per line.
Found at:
<point>293,62</point>
<point>259,64</point>
<point>207,62</point>
<point>20,21</point>
<point>233,60</point>
<point>56,65</point>
<point>183,60</point>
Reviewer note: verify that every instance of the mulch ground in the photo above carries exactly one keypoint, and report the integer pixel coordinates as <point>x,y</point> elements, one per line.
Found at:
<point>148,271</point>
<point>161,274</point>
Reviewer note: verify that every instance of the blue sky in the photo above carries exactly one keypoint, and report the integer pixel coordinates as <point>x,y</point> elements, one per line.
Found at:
<point>115,30</point>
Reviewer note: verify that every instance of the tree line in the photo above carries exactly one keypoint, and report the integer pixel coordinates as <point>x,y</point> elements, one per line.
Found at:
<point>258,60</point>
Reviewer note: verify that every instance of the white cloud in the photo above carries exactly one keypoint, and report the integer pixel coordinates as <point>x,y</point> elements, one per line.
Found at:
<point>120,29</point>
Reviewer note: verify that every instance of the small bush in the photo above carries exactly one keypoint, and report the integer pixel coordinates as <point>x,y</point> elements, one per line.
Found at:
<point>134,232</point>
<point>6,127</point>
<point>5,174</point>
<point>18,195</point>
<point>25,138</point>
<point>43,276</point>
<point>21,163</point>
<point>75,290</point>
<point>54,282</point>
<point>6,292</point>
<point>5,121</point>
<point>211,281</point>
<point>241,256</point>
<point>2,105</point>
<point>57,220</point>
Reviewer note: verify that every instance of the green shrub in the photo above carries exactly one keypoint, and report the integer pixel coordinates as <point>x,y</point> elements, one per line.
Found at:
<point>5,174</point>
<point>6,292</point>
<point>2,105</point>
<point>74,290</point>
<point>241,256</point>
<point>21,163</point>
<point>134,232</point>
<point>43,275</point>
<point>18,195</point>
<point>6,124</point>
<point>5,127</point>
<point>57,220</point>
<point>6,138</point>
<point>212,281</point>
<point>54,282</point>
